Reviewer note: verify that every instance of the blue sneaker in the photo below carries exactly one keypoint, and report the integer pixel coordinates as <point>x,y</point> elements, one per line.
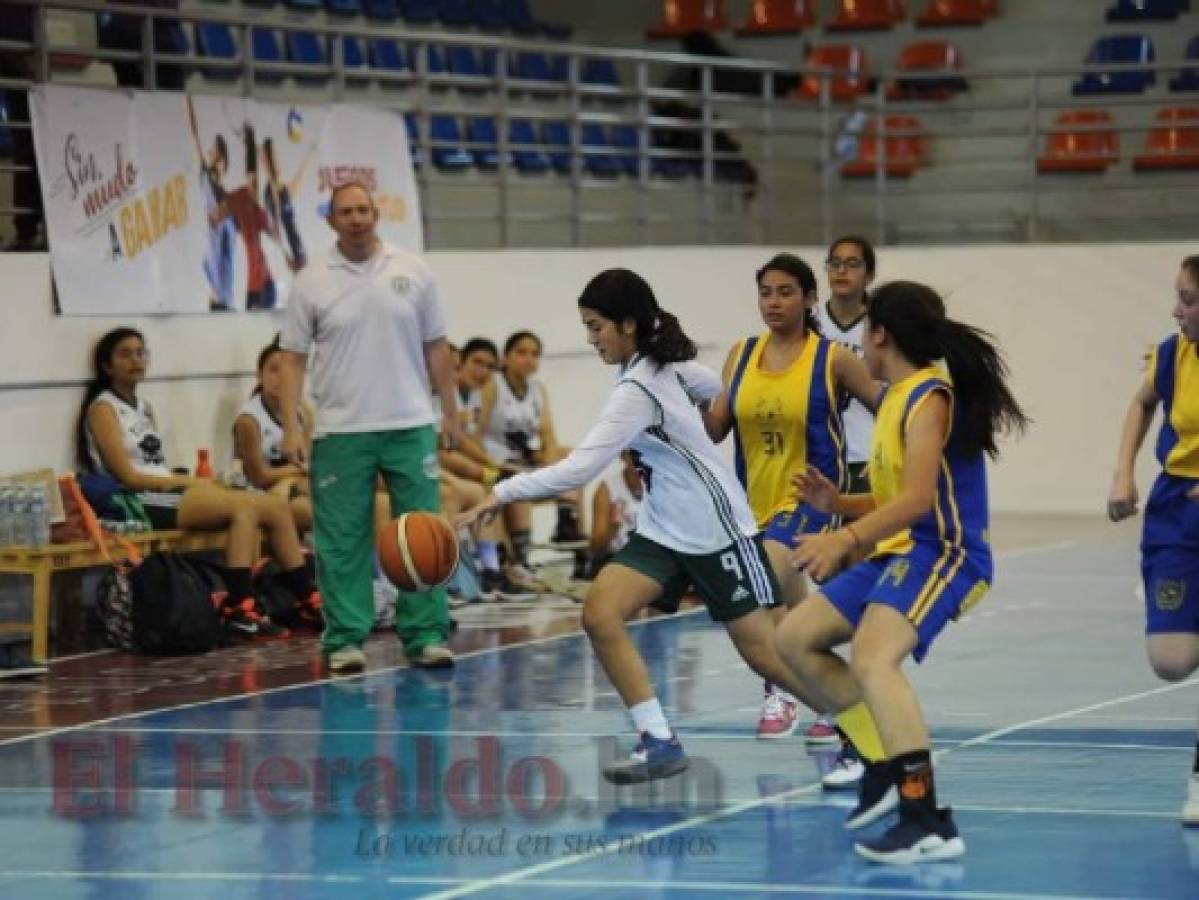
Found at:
<point>877,796</point>
<point>916,840</point>
<point>651,759</point>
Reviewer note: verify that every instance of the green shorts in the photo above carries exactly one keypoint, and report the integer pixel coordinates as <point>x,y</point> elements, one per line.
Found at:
<point>732,582</point>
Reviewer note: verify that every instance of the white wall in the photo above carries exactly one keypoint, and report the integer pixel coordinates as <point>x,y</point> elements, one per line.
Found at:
<point>1074,321</point>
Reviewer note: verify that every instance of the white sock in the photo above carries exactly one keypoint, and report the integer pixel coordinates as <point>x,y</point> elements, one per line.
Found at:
<point>489,555</point>
<point>648,716</point>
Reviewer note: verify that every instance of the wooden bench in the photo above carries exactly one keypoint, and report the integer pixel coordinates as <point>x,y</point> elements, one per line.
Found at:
<point>42,563</point>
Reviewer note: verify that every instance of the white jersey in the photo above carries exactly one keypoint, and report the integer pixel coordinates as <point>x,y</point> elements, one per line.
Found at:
<point>623,504</point>
<point>141,442</point>
<point>270,431</point>
<point>470,404</point>
<point>513,433</point>
<point>857,419</point>
<point>693,502</point>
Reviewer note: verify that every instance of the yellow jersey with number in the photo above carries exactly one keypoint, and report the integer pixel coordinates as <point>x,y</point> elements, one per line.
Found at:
<point>785,421</point>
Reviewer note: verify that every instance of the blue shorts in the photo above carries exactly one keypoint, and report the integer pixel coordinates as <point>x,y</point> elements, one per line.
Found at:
<point>928,590</point>
<point>1170,557</point>
<point>786,527</point>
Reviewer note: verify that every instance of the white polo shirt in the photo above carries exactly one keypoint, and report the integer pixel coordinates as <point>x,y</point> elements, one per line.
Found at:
<point>366,325</point>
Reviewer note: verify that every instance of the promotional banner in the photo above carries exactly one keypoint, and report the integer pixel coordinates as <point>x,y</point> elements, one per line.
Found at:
<point>165,203</point>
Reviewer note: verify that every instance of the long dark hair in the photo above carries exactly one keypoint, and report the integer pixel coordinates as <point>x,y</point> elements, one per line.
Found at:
<point>100,382</point>
<point>914,316</point>
<point>792,265</point>
<point>619,294</point>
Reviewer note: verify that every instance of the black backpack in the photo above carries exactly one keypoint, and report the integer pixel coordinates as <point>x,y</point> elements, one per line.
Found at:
<point>166,604</point>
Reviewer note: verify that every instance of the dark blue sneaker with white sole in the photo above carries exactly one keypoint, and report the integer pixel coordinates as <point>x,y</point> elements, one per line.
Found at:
<point>651,759</point>
<point>916,839</point>
<point>877,796</point>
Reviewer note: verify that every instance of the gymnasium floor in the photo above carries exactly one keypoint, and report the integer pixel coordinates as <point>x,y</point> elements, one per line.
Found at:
<point>1063,756</point>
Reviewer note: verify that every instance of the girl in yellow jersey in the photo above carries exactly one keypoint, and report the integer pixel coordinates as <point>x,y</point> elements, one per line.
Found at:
<point>1170,540</point>
<point>925,523</point>
<point>784,391</point>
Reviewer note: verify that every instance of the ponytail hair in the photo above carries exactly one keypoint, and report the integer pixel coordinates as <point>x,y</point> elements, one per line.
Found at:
<point>792,265</point>
<point>620,294</point>
<point>100,381</point>
<point>914,316</point>
<point>264,356</point>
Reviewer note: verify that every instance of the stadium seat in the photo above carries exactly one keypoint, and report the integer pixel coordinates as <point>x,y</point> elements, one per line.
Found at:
<point>847,58</point>
<point>303,5</point>
<point>680,17</point>
<point>905,150</point>
<point>454,13</point>
<point>1079,143</point>
<point>519,18</point>
<point>557,134</point>
<point>531,159</point>
<point>481,130</point>
<point>488,15</point>
<point>536,66</point>
<point>352,56</point>
<point>1188,79</point>
<point>1144,11</point>
<point>779,17</point>
<point>948,13</point>
<point>602,165</point>
<point>266,49</point>
<point>418,12</point>
<point>1123,48</point>
<point>414,150</point>
<point>215,41</point>
<point>6,137</point>
<point>927,56</point>
<point>1174,143</point>
<point>599,70</point>
<point>387,54</point>
<point>625,137</point>
<point>461,60</point>
<point>343,7</point>
<point>449,156</point>
<point>435,59</point>
<point>381,10</point>
<point>308,48</point>
<point>866,15</point>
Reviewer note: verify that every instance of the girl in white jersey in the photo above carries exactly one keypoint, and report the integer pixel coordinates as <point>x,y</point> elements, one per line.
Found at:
<point>258,439</point>
<point>694,526</point>
<point>117,436</point>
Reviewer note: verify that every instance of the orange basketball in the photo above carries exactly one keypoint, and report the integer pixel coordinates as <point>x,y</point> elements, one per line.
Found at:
<point>418,551</point>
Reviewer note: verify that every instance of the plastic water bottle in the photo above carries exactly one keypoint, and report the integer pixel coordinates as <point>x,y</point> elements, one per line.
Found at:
<point>6,517</point>
<point>39,516</point>
<point>203,463</point>
<point>22,519</point>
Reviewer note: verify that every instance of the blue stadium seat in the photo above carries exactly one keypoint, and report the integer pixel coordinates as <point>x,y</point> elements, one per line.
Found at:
<point>343,7</point>
<point>520,19</point>
<point>557,134</point>
<point>444,129</point>
<point>386,54</point>
<point>418,12</point>
<point>1122,48</point>
<point>381,10</point>
<point>488,15</point>
<point>1144,10</point>
<point>482,131</point>
<point>625,137</point>
<point>531,160</point>
<point>6,138</point>
<point>454,13</point>
<point>599,70</point>
<point>434,59</point>
<point>413,129</point>
<point>605,166</point>
<point>352,56</point>
<point>535,66</point>
<point>265,44</point>
<point>303,5</point>
<point>461,60</point>
<point>1188,79</point>
<point>215,40</point>
<point>308,48</point>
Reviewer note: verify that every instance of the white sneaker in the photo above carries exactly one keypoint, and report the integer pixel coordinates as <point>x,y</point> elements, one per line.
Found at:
<point>1190,809</point>
<point>347,659</point>
<point>434,656</point>
<point>780,716</point>
<point>846,773</point>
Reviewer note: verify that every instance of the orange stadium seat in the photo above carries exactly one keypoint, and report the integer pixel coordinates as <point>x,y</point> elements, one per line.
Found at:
<point>906,149</point>
<point>1090,148</point>
<point>1174,144</point>
<point>866,15</point>
<point>928,56</point>
<point>846,58</point>
<point>956,12</point>
<point>680,17</point>
<point>779,17</point>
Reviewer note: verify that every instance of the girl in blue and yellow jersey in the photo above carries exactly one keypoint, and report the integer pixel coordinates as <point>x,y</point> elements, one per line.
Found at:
<point>782,401</point>
<point>1170,540</point>
<point>925,527</point>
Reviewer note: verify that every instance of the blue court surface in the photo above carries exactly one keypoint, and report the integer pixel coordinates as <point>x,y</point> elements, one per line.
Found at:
<point>1064,758</point>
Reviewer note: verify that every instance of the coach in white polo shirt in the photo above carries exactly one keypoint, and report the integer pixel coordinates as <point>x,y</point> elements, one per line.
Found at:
<point>370,316</point>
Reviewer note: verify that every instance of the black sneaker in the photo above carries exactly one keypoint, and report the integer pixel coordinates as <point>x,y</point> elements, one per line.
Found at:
<point>651,759</point>
<point>498,586</point>
<point>877,796</point>
<point>916,840</point>
<point>17,665</point>
<point>242,620</point>
<point>567,529</point>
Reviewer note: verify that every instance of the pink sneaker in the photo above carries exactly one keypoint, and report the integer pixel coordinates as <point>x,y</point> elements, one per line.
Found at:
<point>780,716</point>
<point>822,731</point>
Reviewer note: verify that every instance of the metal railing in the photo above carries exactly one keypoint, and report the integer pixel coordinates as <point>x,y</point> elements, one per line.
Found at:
<point>784,177</point>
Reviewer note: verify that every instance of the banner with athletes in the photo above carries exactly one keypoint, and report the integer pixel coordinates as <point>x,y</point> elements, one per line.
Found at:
<point>165,203</point>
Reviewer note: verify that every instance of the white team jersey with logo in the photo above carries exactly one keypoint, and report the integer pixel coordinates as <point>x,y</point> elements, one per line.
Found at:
<point>513,433</point>
<point>857,420</point>
<point>270,432</point>
<point>622,502</point>
<point>693,502</point>
<point>470,403</point>
<point>141,442</point>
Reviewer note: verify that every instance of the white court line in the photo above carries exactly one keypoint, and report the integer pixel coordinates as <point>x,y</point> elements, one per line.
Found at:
<point>522,875</point>
<point>1014,810</point>
<point>362,676</point>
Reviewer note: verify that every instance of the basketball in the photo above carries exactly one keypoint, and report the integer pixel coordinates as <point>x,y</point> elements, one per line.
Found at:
<point>418,551</point>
